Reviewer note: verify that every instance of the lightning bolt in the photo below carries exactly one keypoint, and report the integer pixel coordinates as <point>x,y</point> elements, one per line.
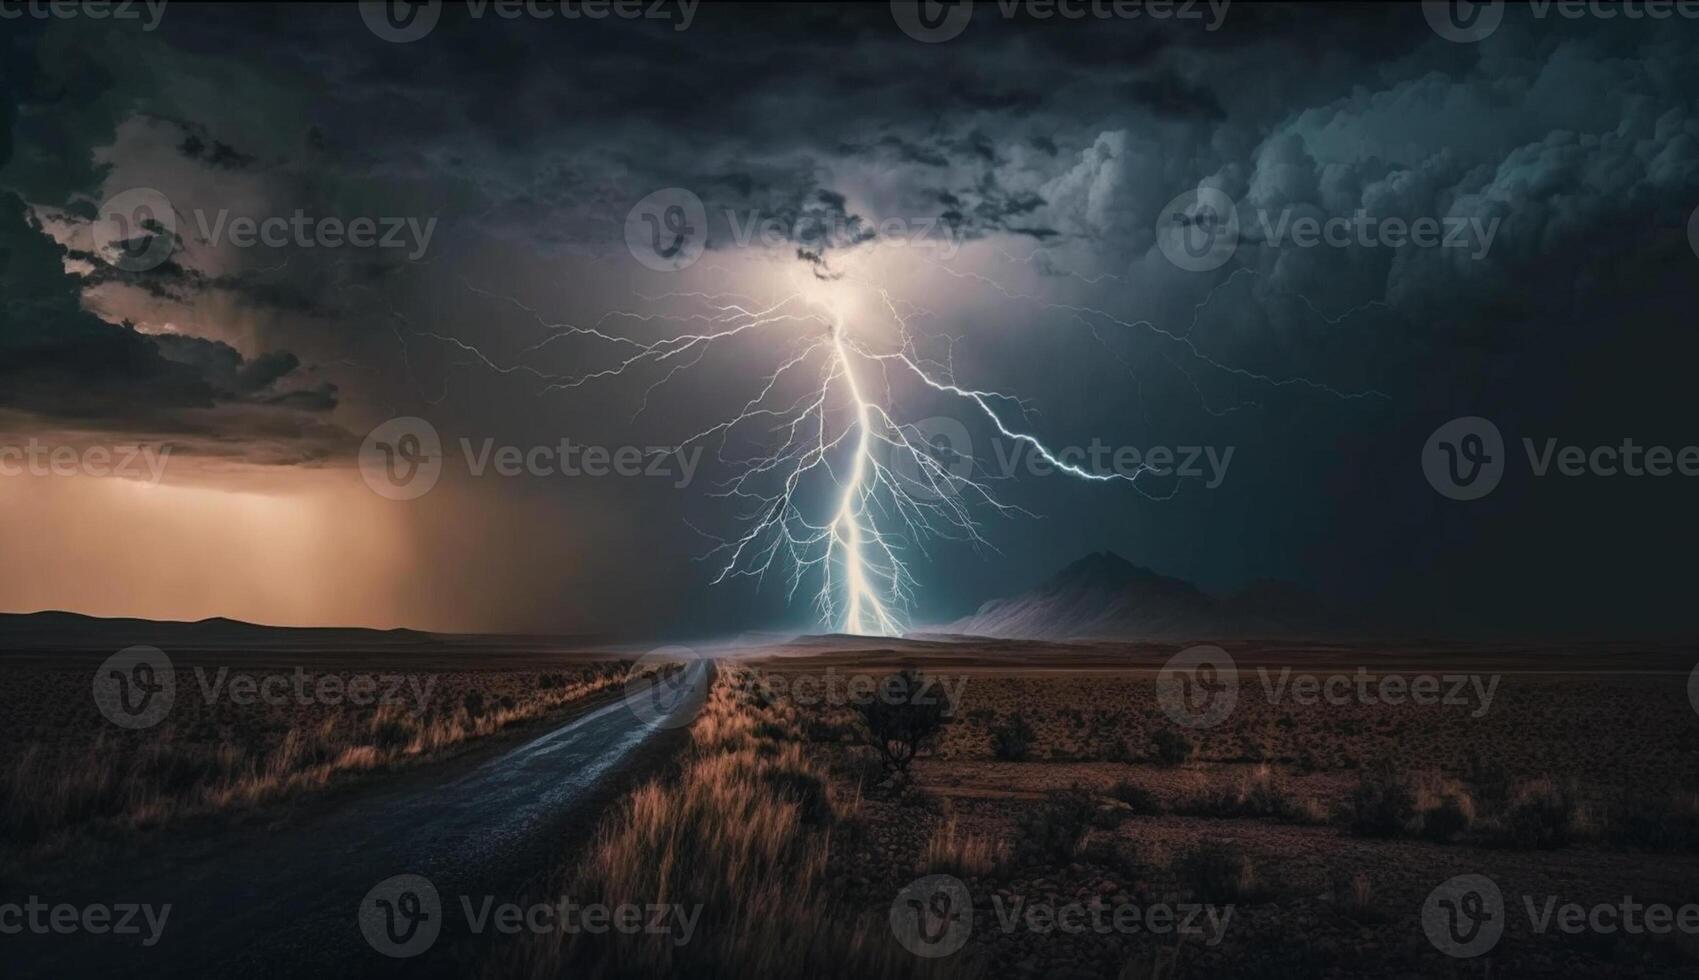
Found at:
<point>824,431</point>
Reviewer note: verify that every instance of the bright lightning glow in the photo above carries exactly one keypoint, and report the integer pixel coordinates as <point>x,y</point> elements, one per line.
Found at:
<point>865,613</point>
<point>837,491</point>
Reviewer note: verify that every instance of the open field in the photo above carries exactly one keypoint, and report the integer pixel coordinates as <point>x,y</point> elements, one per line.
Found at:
<point>251,729</point>
<point>1072,810</point>
<point>1086,829</point>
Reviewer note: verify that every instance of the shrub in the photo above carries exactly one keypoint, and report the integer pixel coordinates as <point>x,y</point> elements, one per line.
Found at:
<point>1012,741</point>
<point>820,730</point>
<point>1140,800</point>
<point>1656,822</point>
<point>1053,832</point>
<point>1113,748</point>
<point>1541,816</point>
<point>1490,782</point>
<point>900,718</point>
<point>1357,900</point>
<point>1217,871</point>
<point>1172,748</point>
<point>473,702</point>
<point>1382,804</point>
<point>391,730</point>
<point>1118,855</point>
<point>1446,808</point>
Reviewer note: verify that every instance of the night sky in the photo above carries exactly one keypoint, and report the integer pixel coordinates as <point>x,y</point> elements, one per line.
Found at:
<point>1003,191</point>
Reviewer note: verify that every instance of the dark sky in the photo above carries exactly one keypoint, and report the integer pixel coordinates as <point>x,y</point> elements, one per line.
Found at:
<point>1032,159</point>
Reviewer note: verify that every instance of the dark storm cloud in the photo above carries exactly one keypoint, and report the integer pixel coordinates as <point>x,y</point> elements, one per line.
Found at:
<point>1576,143</point>
<point>525,115</point>
<point>197,146</point>
<point>1168,94</point>
<point>61,362</point>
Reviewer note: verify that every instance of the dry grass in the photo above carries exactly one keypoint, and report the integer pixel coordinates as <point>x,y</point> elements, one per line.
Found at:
<point>1257,794</point>
<point>744,832</point>
<point>951,851</point>
<point>1556,790</point>
<point>1105,716</point>
<point>225,759</point>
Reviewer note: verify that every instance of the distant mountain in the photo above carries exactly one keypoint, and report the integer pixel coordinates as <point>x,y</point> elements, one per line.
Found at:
<point>63,631</point>
<point>1104,596</point>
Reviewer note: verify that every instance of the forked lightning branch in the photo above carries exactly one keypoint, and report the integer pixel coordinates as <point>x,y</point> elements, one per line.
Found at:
<point>836,493</point>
